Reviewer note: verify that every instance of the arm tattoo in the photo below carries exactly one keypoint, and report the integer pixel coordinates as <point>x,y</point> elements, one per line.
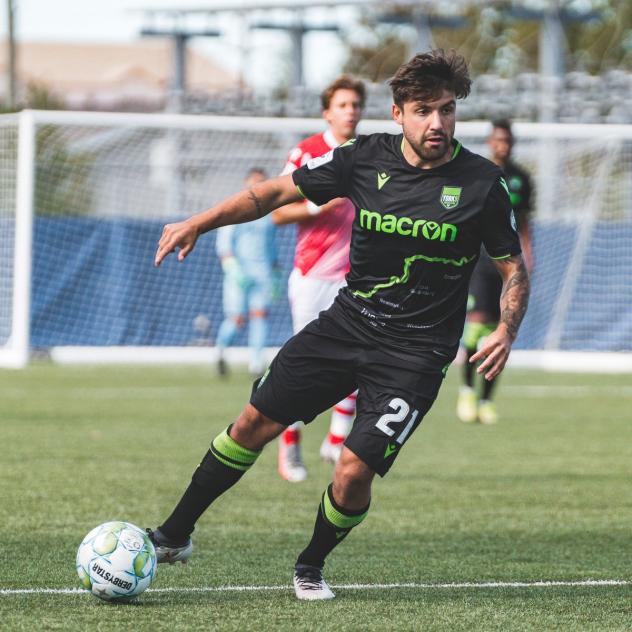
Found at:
<point>515,295</point>
<point>257,202</point>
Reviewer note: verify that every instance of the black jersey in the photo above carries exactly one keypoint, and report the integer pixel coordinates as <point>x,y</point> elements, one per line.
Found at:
<point>416,236</point>
<point>520,191</point>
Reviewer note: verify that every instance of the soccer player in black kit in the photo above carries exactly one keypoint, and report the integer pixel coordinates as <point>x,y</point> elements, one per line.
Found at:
<point>424,204</point>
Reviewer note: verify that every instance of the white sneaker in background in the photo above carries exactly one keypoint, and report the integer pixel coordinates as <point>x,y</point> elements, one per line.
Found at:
<point>330,452</point>
<point>291,466</point>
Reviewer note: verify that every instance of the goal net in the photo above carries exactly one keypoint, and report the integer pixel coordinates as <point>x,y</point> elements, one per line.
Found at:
<point>84,196</point>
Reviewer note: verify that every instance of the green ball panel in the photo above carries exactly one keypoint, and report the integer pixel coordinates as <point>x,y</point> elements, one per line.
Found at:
<point>105,543</point>
<point>84,578</point>
<point>139,564</point>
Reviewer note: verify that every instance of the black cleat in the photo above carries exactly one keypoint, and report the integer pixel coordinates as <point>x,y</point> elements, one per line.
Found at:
<point>222,368</point>
<point>168,551</point>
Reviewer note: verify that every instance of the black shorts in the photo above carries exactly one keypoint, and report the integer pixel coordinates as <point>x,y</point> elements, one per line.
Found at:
<point>326,361</point>
<point>485,288</point>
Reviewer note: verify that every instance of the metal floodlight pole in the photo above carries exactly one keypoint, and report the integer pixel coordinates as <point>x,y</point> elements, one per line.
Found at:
<point>180,38</point>
<point>551,53</point>
<point>421,18</point>
<point>297,30</point>
<point>175,103</point>
<point>11,56</point>
<point>552,68</point>
<point>179,85</point>
<point>551,44</point>
<point>551,60</point>
<point>421,21</point>
<point>296,34</point>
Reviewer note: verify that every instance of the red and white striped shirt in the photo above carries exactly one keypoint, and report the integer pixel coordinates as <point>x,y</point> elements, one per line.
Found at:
<point>322,245</point>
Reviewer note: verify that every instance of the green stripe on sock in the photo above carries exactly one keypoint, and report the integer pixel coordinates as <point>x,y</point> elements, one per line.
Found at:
<point>229,452</point>
<point>228,462</point>
<point>338,519</point>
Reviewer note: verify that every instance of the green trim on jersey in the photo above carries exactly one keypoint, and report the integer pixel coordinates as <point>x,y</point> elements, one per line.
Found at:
<point>300,191</point>
<point>406,275</point>
<point>338,519</point>
<point>501,257</point>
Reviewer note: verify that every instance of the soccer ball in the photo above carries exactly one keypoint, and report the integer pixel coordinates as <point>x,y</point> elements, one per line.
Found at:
<point>116,561</point>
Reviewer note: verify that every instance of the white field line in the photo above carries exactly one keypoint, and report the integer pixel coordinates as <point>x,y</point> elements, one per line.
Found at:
<point>421,586</point>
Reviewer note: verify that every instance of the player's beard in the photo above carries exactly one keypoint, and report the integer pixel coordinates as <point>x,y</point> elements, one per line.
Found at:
<point>428,153</point>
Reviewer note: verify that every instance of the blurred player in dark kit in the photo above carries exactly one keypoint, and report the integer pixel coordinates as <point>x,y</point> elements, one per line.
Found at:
<point>486,283</point>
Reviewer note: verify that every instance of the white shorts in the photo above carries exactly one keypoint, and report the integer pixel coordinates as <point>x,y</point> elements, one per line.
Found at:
<point>308,297</point>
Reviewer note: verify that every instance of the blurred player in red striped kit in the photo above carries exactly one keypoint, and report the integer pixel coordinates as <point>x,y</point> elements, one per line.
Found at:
<point>322,258</point>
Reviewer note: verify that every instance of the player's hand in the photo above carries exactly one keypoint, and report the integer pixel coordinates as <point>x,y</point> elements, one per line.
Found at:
<point>494,353</point>
<point>181,235</point>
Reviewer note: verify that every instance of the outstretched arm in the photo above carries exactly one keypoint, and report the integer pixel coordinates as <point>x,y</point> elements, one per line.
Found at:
<point>513,305</point>
<point>301,211</point>
<point>244,206</point>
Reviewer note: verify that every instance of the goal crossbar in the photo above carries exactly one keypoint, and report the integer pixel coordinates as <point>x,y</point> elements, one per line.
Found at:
<point>84,176</point>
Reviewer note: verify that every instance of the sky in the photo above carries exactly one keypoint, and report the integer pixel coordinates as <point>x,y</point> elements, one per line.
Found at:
<point>122,20</point>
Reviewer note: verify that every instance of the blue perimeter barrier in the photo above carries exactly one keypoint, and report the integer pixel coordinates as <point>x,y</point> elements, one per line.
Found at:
<point>94,283</point>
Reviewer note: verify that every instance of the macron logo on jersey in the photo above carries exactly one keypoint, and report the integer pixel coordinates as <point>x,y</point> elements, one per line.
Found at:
<point>382,179</point>
<point>388,223</point>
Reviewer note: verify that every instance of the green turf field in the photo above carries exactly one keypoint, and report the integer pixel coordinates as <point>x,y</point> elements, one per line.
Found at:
<point>546,495</point>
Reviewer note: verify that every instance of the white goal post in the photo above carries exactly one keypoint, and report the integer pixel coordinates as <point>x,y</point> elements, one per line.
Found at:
<point>83,196</point>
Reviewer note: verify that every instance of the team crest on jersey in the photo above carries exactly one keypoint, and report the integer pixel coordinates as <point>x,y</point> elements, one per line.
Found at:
<point>450,197</point>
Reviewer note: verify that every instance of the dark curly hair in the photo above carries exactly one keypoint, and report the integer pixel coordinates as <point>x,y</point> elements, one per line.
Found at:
<point>426,75</point>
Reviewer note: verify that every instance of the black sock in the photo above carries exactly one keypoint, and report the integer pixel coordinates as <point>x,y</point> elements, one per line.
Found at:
<point>222,466</point>
<point>468,368</point>
<point>333,524</point>
<point>488,387</point>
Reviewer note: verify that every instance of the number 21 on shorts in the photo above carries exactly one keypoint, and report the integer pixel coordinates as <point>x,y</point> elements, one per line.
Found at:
<point>400,414</point>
